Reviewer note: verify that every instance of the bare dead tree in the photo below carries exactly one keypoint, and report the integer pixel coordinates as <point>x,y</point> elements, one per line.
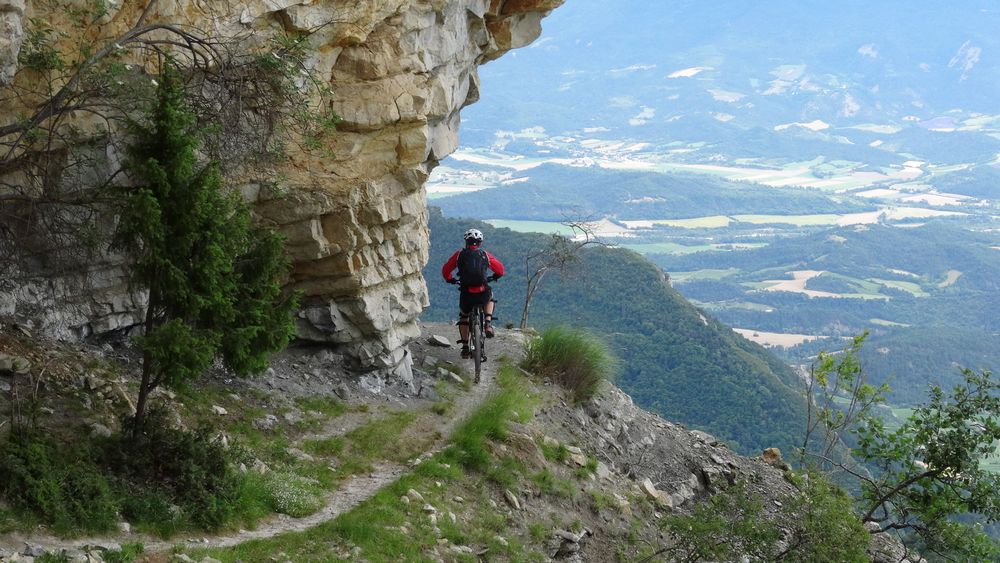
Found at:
<point>559,255</point>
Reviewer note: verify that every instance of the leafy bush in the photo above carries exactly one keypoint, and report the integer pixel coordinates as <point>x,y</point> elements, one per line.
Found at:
<point>60,486</point>
<point>828,526</point>
<point>190,468</point>
<point>572,358</point>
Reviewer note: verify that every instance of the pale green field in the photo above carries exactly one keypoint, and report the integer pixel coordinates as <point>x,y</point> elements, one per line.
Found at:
<point>707,274</point>
<point>950,278</point>
<point>883,322</point>
<point>669,248</point>
<point>868,289</point>
<point>712,222</point>
<point>544,227</point>
<point>722,305</point>
<point>909,287</point>
<point>796,220</point>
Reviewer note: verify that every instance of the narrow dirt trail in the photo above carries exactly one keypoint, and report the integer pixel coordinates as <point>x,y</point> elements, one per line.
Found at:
<point>352,492</point>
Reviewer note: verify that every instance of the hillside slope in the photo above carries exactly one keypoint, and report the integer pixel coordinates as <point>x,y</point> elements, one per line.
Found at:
<point>509,470</point>
<point>676,361</point>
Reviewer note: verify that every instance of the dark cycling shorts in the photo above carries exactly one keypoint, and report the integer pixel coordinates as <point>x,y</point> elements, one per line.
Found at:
<point>468,300</point>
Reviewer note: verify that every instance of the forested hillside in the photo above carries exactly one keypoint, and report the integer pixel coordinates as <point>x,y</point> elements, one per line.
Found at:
<point>675,360</point>
<point>550,191</point>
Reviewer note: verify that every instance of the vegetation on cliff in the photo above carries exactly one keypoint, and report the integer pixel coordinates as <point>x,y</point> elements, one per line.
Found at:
<point>214,281</point>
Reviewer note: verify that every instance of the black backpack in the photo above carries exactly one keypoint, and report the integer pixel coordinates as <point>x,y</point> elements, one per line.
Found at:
<point>472,265</point>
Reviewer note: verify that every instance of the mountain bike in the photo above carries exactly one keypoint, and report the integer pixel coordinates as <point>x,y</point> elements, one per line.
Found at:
<point>477,333</point>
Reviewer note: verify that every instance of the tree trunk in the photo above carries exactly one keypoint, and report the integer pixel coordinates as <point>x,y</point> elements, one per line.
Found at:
<point>145,385</point>
<point>529,294</point>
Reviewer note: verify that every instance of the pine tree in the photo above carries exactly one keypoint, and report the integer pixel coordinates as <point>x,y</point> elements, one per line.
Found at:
<point>213,279</point>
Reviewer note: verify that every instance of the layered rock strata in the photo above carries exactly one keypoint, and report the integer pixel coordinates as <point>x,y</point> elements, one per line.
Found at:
<point>356,222</point>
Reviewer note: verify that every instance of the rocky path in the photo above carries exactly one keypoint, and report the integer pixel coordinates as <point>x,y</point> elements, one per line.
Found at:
<point>352,492</point>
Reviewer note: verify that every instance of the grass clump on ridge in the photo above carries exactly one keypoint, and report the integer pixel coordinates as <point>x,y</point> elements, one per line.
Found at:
<point>572,358</point>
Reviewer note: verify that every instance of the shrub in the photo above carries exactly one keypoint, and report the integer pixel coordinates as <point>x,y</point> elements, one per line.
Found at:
<point>574,359</point>
<point>190,468</point>
<point>58,485</point>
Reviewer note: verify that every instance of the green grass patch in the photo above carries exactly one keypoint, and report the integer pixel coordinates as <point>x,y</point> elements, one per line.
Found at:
<point>706,274</point>
<point>384,528</point>
<point>544,227</point>
<point>551,484</point>
<point>794,220</point>
<point>331,407</point>
<point>670,248</point>
<point>913,289</point>
<point>326,447</point>
<point>712,222</point>
<point>574,359</point>
<point>383,438</point>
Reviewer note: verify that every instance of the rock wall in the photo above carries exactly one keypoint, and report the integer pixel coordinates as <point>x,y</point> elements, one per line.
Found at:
<point>11,36</point>
<point>356,222</point>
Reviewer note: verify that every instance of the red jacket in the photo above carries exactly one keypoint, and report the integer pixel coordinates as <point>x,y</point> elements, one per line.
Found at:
<point>452,264</point>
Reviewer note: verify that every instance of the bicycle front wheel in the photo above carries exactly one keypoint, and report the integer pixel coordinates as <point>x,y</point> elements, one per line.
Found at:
<point>476,339</point>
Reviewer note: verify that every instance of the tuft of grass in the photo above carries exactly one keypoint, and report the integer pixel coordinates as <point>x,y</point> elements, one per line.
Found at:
<point>551,484</point>
<point>558,453</point>
<point>329,406</point>
<point>587,470</point>
<point>127,553</point>
<point>572,358</point>
<point>326,447</point>
<point>382,438</point>
<point>489,421</point>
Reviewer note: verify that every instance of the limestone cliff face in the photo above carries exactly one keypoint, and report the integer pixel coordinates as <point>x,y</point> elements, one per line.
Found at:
<point>356,222</point>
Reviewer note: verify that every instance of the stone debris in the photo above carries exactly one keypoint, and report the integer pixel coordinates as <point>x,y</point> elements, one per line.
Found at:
<point>299,454</point>
<point>430,362</point>
<point>10,365</point>
<point>772,457</point>
<point>512,499</point>
<point>413,495</point>
<point>661,498</point>
<point>266,422</point>
<point>441,341</point>
<point>216,409</point>
<point>705,437</point>
<point>603,471</point>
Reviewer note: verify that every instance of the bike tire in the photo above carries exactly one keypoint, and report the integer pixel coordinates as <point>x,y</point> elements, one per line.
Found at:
<point>476,339</point>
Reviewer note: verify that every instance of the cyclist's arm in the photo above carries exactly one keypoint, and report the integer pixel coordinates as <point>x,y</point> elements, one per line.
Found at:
<point>495,265</point>
<point>450,266</point>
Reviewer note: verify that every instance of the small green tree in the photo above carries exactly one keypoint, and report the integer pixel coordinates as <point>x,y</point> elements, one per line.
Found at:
<point>927,471</point>
<point>917,478</point>
<point>213,279</point>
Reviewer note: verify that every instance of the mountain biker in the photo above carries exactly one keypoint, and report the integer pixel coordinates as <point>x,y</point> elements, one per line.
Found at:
<point>472,263</point>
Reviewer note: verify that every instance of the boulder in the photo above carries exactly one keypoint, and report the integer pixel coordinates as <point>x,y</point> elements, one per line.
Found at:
<point>440,341</point>
<point>511,499</point>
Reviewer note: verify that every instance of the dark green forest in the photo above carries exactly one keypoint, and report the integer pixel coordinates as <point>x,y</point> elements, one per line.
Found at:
<point>676,360</point>
<point>554,192</point>
<point>933,333</point>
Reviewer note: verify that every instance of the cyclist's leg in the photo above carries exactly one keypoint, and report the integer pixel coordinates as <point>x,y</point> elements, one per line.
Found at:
<point>464,307</point>
<point>488,311</point>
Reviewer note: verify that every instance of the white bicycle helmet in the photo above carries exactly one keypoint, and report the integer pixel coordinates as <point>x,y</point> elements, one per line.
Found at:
<point>473,235</point>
